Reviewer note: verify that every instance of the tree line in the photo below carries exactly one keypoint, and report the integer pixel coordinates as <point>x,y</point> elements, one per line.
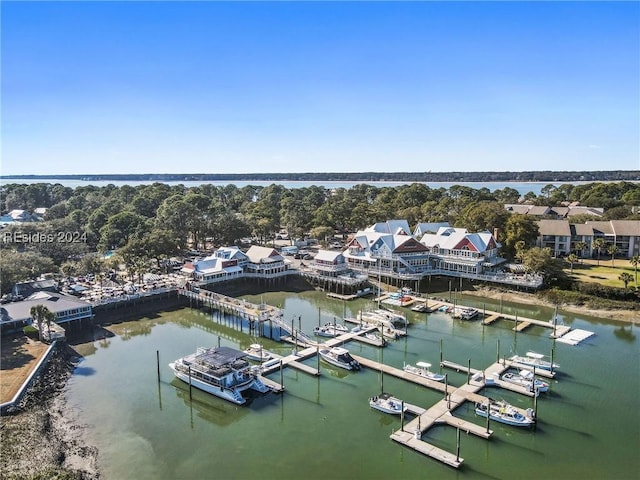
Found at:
<point>448,177</point>
<point>157,221</point>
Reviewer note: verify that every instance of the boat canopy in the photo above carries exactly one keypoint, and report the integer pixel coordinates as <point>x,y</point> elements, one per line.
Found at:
<point>423,365</point>
<point>539,356</point>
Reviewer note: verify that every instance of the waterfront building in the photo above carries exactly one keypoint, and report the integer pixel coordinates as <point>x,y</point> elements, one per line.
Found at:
<point>227,263</point>
<point>457,250</point>
<point>14,316</point>
<point>329,263</point>
<point>265,262</point>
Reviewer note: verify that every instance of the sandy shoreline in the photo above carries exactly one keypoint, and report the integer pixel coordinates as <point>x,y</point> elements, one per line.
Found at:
<point>42,437</point>
<point>630,316</point>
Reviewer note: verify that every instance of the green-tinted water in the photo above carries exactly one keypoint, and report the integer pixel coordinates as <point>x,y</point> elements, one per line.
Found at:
<point>323,427</point>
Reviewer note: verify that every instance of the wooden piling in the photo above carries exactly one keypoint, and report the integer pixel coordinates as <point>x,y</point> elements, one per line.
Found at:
<point>158,363</point>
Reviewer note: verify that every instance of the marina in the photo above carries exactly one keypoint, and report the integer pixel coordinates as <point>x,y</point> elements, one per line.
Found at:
<point>334,397</point>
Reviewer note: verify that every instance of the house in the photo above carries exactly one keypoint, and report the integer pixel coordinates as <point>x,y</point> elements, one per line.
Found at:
<point>14,316</point>
<point>226,263</point>
<point>457,250</point>
<point>329,263</point>
<point>20,216</point>
<point>400,254</point>
<point>396,227</point>
<point>432,227</point>
<point>560,212</point>
<point>26,289</point>
<point>265,262</point>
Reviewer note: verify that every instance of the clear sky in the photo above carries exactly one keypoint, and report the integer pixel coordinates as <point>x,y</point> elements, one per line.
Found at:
<point>217,87</point>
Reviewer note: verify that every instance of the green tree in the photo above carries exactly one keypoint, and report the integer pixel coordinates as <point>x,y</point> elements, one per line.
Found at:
<point>572,258</point>
<point>20,266</point>
<point>625,278</point>
<point>41,314</point>
<point>598,244</point>
<point>635,260</point>
<point>540,260</point>
<point>612,250</point>
<point>519,228</point>
<point>579,248</point>
<point>485,215</point>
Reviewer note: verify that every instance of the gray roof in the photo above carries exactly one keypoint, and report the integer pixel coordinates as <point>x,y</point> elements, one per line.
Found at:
<point>55,302</point>
<point>626,227</point>
<point>554,227</point>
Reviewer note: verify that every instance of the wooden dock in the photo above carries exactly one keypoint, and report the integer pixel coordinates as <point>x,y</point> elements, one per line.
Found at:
<point>490,319</point>
<point>521,326</point>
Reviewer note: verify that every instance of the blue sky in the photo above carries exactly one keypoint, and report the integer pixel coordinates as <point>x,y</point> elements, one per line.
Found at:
<point>224,87</point>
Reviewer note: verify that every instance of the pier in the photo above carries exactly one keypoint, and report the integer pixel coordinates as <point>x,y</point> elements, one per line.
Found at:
<point>410,434</point>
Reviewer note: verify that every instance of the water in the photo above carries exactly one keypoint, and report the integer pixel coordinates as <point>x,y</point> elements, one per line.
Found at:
<point>323,427</point>
<point>521,187</point>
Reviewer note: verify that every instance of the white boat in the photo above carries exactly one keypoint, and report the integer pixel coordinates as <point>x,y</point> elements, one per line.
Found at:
<point>525,379</point>
<point>257,353</point>
<point>532,359</point>
<point>387,404</point>
<point>383,317</point>
<point>330,330</point>
<point>420,308</point>
<point>340,357</point>
<point>505,413</point>
<point>221,371</point>
<point>465,313</point>
<point>424,370</point>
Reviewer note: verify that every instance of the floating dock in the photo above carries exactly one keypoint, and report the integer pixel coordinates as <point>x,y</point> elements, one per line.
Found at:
<point>574,337</point>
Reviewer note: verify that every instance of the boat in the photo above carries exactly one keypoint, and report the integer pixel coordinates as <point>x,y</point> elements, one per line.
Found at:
<point>465,313</point>
<point>340,357</point>
<point>330,330</point>
<point>383,317</point>
<point>424,370</point>
<point>503,412</point>
<point>420,308</point>
<point>534,360</point>
<point>222,371</point>
<point>525,379</point>
<point>257,353</point>
<point>387,404</point>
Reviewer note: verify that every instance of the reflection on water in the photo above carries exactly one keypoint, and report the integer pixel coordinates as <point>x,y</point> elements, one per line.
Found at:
<point>330,416</point>
<point>209,407</point>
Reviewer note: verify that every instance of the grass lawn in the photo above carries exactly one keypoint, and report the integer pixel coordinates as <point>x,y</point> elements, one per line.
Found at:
<point>587,270</point>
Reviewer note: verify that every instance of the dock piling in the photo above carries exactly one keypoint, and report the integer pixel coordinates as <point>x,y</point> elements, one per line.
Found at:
<point>190,383</point>
<point>158,363</point>
<point>458,445</point>
<point>469,372</point>
<point>488,410</point>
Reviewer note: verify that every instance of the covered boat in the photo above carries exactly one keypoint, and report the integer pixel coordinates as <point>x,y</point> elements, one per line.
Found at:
<point>340,357</point>
<point>533,359</point>
<point>525,379</point>
<point>423,369</point>
<point>221,371</point>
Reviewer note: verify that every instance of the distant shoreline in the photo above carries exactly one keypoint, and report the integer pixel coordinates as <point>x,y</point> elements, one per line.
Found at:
<point>444,177</point>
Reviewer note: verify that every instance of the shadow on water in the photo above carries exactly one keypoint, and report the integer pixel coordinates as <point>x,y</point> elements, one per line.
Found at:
<point>84,371</point>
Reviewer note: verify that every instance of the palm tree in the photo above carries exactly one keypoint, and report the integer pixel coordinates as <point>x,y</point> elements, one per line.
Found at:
<point>40,314</point>
<point>598,244</point>
<point>572,258</point>
<point>612,250</point>
<point>626,278</point>
<point>635,260</point>
<point>580,246</point>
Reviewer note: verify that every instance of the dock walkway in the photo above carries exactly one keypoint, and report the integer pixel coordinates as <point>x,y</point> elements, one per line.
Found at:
<point>411,433</point>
